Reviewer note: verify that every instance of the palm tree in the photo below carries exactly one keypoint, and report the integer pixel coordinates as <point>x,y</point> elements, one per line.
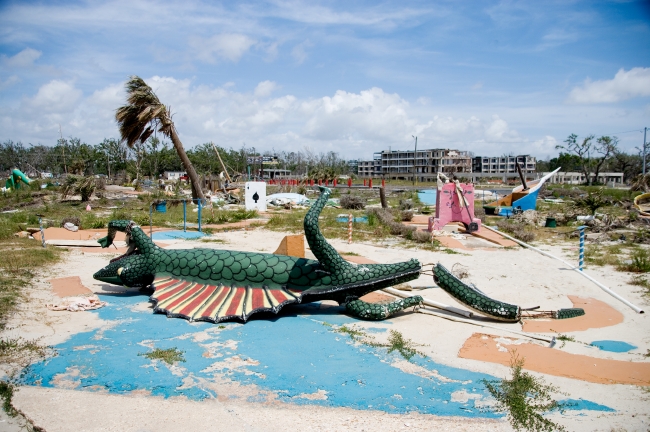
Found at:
<point>142,115</point>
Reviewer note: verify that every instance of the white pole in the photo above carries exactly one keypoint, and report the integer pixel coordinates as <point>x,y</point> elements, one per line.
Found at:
<point>481,324</point>
<point>603,287</point>
<point>431,303</point>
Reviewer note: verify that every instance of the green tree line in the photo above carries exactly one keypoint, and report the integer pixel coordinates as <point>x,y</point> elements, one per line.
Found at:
<point>154,157</point>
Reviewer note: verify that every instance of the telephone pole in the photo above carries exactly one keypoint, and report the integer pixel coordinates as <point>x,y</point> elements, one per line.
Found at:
<point>415,157</point>
<point>645,146</point>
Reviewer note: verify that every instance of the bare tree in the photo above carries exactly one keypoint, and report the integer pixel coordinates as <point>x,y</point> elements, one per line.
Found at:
<point>582,150</point>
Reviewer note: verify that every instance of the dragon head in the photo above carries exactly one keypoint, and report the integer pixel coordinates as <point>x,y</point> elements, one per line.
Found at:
<point>132,269</point>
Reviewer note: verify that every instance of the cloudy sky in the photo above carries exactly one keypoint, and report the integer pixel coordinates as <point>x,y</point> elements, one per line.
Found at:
<point>353,77</point>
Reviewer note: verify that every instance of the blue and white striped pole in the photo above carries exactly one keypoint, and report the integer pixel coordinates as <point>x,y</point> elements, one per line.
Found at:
<point>582,245</point>
<point>40,225</point>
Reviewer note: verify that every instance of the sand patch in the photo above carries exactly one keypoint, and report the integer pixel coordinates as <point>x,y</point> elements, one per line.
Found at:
<point>555,362</point>
<point>69,286</point>
<point>598,314</point>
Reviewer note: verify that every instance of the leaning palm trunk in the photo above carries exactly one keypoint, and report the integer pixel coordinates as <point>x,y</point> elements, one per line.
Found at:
<point>197,192</point>
<point>142,115</point>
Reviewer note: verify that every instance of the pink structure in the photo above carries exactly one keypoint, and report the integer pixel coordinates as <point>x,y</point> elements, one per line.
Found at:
<point>450,207</point>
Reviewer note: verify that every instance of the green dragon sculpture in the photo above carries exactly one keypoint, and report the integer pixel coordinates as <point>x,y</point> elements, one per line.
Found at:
<point>217,285</point>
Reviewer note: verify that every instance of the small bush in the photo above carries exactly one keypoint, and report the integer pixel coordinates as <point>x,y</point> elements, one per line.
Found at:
<point>73,220</point>
<point>517,231</point>
<point>352,202</point>
<point>405,204</point>
<point>524,398</point>
<point>406,216</point>
<point>419,236</point>
<point>640,262</point>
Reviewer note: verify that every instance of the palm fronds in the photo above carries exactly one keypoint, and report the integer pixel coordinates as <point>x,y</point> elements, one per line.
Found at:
<point>143,113</point>
<point>78,185</point>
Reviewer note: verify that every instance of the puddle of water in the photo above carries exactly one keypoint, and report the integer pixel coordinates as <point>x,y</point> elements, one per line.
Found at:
<point>613,346</point>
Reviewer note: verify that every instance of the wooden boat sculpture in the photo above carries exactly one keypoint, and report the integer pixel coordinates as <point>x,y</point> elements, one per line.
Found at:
<point>476,300</point>
<point>642,203</point>
<point>523,197</point>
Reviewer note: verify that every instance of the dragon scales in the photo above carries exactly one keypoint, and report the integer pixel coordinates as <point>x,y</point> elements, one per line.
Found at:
<point>217,285</point>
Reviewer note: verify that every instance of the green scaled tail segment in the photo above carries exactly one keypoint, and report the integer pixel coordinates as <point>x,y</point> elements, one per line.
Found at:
<point>473,298</point>
<point>568,313</point>
<point>349,281</point>
<point>376,311</point>
<point>326,255</point>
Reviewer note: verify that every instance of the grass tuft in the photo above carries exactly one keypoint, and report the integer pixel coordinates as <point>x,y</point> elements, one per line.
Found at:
<point>169,355</point>
<point>6,394</point>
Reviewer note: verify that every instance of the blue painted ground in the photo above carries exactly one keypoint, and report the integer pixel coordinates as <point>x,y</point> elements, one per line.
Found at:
<point>289,356</point>
<point>613,346</point>
<point>176,234</point>
<point>428,196</point>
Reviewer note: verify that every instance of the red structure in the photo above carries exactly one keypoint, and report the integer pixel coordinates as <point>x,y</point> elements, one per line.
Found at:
<point>370,183</point>
<point>455,203</point>
<point>350,182</point>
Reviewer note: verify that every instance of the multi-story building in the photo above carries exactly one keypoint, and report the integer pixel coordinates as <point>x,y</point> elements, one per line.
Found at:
<point>424,164</point>
<point>370,168</point>
<point>504,164</point>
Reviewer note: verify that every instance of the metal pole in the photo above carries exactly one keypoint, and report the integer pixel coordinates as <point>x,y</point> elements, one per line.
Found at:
<point>150,221</point>
<point>645,129</point>
<point>603,287</point>
<point>414,157</point>
<point>40,224</point>
<point>184,215</point>
<point>200,200</point>
<point>350,229</point>
<point>581,258</point>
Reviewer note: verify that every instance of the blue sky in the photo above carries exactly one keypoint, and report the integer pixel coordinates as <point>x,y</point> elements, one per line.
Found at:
<point>353,77</point>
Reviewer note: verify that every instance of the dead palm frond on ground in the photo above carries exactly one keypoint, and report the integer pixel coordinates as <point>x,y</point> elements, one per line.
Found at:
<point>641,183</point>
<point>78,185</point>
<point>143,115</point>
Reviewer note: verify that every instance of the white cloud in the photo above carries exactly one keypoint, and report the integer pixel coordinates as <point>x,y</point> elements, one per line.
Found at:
<point>299,52</point>
<point>352,124</point>
<point>13,79</point>
<point>55,97</point>
<point>624,85</point>
<point>229,46</point>
<point>369,115</point>
<point>265,88</point>
<point>23,59</point>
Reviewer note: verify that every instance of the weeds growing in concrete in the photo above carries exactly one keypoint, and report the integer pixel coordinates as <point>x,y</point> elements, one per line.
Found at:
<point>169,355</point>
<point>524,398</point>
<point>6,394</point>
<point>396,341</point>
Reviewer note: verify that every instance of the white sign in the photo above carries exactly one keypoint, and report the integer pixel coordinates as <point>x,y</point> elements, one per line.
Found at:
<point>255,195</point>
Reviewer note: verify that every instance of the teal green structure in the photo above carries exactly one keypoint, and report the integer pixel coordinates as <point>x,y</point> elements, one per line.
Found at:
<point>14,180</point>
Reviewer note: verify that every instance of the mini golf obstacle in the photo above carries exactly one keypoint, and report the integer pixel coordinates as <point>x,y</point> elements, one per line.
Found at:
<point>454,203</point>
<point>161,207</point>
